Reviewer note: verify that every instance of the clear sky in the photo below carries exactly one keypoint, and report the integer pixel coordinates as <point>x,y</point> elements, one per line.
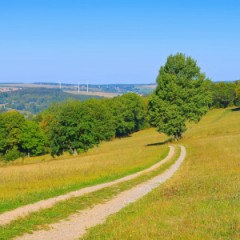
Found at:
<point>108,41</point>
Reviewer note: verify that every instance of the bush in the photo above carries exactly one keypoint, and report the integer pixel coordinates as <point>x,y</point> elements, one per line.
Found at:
<point>12,154</point>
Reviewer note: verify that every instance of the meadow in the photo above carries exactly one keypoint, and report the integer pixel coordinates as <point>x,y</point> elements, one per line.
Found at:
<point>64,209</point>
<point>201,201</point>
<point>38,179</point>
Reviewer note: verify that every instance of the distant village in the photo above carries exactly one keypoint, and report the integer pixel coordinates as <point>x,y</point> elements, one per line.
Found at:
<point>8,89</point>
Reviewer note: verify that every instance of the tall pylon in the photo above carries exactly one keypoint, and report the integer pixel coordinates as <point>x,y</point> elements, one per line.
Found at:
<point>87,86</point>
<point>78,87</point>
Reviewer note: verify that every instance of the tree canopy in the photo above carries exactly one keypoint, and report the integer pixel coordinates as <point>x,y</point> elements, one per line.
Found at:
<point>129,113</point>
<point>237,92</point>
<point>224,94</point>
<point>181,95</point>
<point>77,126</point>
<point>19,137</point>
<point>32,139</point>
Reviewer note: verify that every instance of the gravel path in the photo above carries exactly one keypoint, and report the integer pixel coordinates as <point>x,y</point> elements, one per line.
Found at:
<point>77,224</point>
<point>7,217</point>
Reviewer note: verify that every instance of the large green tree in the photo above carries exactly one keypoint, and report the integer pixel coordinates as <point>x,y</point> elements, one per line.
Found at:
<point>181,95</point>
<point>77,126</point>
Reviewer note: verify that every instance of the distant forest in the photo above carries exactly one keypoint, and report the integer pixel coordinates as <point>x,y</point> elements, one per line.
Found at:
<point>34,100</point>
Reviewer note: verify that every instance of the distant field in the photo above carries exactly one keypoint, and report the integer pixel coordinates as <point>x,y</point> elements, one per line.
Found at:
<point>104,90</point>
<point>201,201</point>
<point>42,178</point>
<point>100,94</point>
<point>68,89</point>
<point>28,85</point>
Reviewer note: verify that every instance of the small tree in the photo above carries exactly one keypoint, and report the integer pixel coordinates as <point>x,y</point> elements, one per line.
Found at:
<point>224,94</point>
<point>181,95</point>
<point>10,129</point>
<point>32,139</point>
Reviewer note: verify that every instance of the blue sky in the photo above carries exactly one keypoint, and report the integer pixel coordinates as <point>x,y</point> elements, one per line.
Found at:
<point>115,41</point>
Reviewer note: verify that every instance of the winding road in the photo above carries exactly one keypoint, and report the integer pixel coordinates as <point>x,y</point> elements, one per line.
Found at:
<point>7,217</point>
<point>77,224</point>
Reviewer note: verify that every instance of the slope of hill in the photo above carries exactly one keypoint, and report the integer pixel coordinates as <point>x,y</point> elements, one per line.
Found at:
<point>23,184</point>
<point>201,201</point>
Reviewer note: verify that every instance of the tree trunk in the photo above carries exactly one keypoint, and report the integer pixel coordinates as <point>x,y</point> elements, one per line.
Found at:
<point>75,152</point>
<point>177,136</point>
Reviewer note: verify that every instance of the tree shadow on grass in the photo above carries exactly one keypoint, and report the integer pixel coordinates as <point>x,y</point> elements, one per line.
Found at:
<point>236,109</point>
<point>159,143</point>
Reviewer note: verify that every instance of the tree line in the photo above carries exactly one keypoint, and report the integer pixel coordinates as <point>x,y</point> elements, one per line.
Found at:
<point>225,94</point>
<point>71,126</point>
<point>183,94</point>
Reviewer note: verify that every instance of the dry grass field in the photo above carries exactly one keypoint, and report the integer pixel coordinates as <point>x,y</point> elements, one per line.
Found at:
<point>35,180</point>
<point>100,94</point>
<point>201,201</point>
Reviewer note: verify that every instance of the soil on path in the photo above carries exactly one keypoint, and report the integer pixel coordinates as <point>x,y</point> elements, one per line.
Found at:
<point>7,217</point>
<point>77,224</point>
